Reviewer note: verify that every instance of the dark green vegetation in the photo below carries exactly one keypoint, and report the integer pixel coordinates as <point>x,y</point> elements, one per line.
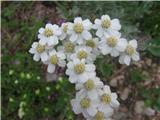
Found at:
<point>24,80</point>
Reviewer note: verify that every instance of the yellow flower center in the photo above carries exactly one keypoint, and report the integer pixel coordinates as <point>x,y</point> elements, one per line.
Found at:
<point>65,28</point>
<point>130,50</point>
<point>78,28</point>
<point>90,43</point>
<point>54,59</point>
<point>106,23</point>
<point>40,48</point>
<point>89,85</point>
<point>82,54</point>
<point>79,68</point>
<point>99,116</point>
<point>69,47</point>
<point>112,41</point>
<point>106,98</point>
<point>85,103</point>
<point>48,32</point>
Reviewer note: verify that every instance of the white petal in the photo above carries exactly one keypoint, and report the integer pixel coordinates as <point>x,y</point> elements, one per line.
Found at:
<point>87,35</point>
<point>135,56</point>
<point>58,32</point>
<point>44,56</point>
<point>99,32</point>
<point>92,111</point>
<point>122,43</point>
<point>105,17</point>
<point>73,37</point>
<point>36,57</point>
<point>62,63</point>
<point>41,30</point>
<point>73,79</point>
<point>49,25</point>
<point>106,50</point>
<point>115,24</point>
<point>43,41</point>
<point>107,89</point>
<point>121,58</point>
<point>51,68</point>
<point>97,21</point>
<point>114,53</point>
<point>78,19</point>
<point>92,94</point>
<point>75,106</point>
<point>90,67</point>
<point>34,45</point>
<point>32,51</point>
<point>133,43</point>
<point>127,59</point>
<point>87,24</point>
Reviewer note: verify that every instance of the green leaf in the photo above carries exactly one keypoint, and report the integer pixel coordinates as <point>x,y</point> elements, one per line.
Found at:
<point>136,76</point>
<point>154,47</point>
<point>106,70</point>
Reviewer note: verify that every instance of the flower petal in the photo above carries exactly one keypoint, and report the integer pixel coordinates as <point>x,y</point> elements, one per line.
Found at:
<point>51,68</point>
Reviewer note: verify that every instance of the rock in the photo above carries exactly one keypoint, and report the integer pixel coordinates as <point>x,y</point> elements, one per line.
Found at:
<point>139,107</point>
<point>125,93</point>
<point>149,112</point>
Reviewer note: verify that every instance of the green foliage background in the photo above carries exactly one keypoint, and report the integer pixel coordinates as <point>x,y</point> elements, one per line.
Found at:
<point>23,80</point>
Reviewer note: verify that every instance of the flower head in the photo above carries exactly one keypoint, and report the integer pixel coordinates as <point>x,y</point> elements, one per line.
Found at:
<point>49,35</point>
<point>78,70</point>
<point>106,26</point>
<point>129,53</point>
<point>79,30</point>
<point>39,51</point>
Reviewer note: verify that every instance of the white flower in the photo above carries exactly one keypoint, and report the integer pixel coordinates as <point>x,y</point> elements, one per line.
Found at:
<point>106,26</point>
<point>130,53</point>
<point>90,87</point>
<point>83,104</point>
<point>49,35</point>
<point>64,29</point>
<point>107,98</point>
<point>102,114</point>
<point>78,70</point>
<point>79,30</point>
<point>112,45</point>
<point>55,58</point>
<point>83,52</point>
<point>93,43</point>
<point>67,48</point>
<point>39,51</point>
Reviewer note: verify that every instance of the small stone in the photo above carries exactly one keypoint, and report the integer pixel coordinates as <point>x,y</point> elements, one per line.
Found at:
<point>149,112</point>
<point>139,107</point>
<point>125,93</point>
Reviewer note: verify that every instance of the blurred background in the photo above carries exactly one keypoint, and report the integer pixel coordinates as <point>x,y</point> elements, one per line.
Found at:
<point>30,93</point>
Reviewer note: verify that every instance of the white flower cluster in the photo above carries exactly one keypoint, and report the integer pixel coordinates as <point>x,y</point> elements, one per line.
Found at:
<point>73,43</point>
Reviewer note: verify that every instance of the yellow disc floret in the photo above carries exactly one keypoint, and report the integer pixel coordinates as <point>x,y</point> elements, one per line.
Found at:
<point>106,23</point>
<point>112,41</point>
<point>82,54</point>
<point>48,32</point>
<point>85,103</point>
<point>90,43</point>
<point>89,85</point>
<point>130,50</point>
<point>79,68</point>
<point>78,28</point>
<point>106,98</point>
<point>69,47</point>
<point>40,48</point>
<point>54,59</point>
<point>99,116</point>
<point>65,28</point>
